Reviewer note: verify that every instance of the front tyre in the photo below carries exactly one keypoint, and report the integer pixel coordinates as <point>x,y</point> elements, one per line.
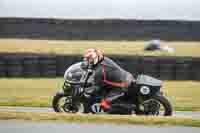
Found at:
<point>63,103</point>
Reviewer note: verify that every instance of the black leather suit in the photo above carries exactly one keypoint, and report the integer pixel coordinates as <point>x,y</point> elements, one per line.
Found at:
<point>108,75</point>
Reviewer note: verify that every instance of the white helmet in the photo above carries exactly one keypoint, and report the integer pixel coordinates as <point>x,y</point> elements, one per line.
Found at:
<point>93,56</point>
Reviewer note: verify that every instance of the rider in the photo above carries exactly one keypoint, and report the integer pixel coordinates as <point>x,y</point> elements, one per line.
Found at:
<point>108,75</point>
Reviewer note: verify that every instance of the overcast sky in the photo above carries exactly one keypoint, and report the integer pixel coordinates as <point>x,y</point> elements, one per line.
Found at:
<point>128,9</point>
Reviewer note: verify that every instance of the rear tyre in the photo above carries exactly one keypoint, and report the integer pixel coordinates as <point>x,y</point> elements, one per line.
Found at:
<point>153,105</point>
<point>166,104</point>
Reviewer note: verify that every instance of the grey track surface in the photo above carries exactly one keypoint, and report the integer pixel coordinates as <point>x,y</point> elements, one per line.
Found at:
<point>16,126</point>
<point>37,109</point>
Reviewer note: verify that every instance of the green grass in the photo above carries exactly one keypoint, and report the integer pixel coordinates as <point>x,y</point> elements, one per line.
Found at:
<point>184,95</point>
<point>28,92</point>
<point>109,47</point>
<point>81,118</point>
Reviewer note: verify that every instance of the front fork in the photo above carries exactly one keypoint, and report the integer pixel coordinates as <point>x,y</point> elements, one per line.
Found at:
<point>66,89</point>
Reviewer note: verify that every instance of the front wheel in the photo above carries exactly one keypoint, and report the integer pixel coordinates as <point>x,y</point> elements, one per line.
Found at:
<point>156,105</point>
<point>63,103</point>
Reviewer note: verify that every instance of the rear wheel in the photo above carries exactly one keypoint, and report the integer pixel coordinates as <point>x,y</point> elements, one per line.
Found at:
<point>156,105</point>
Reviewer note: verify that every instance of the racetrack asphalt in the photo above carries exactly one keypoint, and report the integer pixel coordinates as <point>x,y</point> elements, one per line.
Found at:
<point>18,126</point>
<point>21,126</point>
<point>38,109</point>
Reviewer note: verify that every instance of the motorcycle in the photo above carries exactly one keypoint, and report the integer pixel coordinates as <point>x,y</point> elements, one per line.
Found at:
<point>144,95</point>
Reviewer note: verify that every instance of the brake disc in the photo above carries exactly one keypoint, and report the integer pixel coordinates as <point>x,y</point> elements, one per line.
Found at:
<point>71,108</point>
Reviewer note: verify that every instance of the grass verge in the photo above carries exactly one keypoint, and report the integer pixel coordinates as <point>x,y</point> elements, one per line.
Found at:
<point>38,92</point>
<point>117,119</point>
<point>109,47</point>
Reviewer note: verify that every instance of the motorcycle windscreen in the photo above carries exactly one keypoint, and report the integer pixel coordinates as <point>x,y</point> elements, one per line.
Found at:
<point>74,73</point>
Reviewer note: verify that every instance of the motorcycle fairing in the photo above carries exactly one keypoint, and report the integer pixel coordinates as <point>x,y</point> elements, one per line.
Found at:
<point>147,80</point>
<point>74,73</point>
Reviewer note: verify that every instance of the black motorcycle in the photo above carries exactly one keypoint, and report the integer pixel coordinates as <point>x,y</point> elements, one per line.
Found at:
<point>144,95</point>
